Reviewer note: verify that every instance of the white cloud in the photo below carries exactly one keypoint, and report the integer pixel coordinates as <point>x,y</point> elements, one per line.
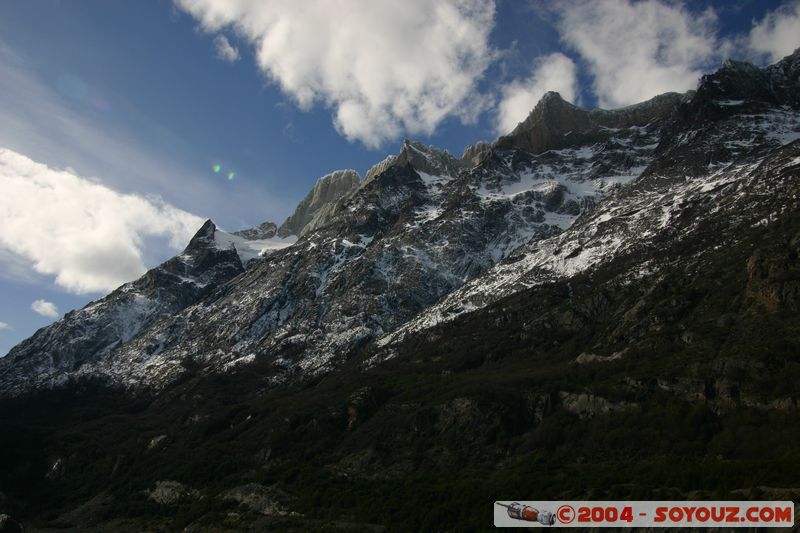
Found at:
<point>45,308</point>
<point>385,68</point>
<point>131,150</point>
<point>555,72</point>
<point>636,50</point>
<point>225,50</point>
<point>87,235</point>
<point>3,326</point>
<point>778,33</point>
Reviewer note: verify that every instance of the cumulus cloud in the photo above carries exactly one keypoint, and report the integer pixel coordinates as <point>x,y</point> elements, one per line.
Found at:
<point>45,308</point>
<point>87,235</point>
<point>3,326</point>
<point>384,68</point>
<point>636,50</point>
<point>555,72</point>
<point>225,50</point>
<point>778,33</point>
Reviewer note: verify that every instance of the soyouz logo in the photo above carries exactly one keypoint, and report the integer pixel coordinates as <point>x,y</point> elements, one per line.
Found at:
<point>527,513</point>
<point>644,514</point>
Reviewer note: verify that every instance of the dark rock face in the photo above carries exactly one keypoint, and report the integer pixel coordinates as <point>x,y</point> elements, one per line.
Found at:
<point>702,165</point>
<point>773,277</point>
<point>555,123</point>
<point>10,525</point>
<point>740,110</point>
<point>427,159</point>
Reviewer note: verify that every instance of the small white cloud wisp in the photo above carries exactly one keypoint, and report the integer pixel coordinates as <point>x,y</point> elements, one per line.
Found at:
<point>45,308</point>
<point>88,236</point>
<point>225,50</point>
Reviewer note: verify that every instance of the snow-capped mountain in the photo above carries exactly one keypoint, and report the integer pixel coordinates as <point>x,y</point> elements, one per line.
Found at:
<point>85,337</point>
<point>427,237</point>
<point>717,151</point>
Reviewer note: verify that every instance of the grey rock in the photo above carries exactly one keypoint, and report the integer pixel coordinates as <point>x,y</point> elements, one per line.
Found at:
<point>587,405</point>
<point>474,154</point>
<point>10,525</point>
<point>56,470</point>
<point>265,230</point>
<point>379,168</point>
<point>157,442</point>
<point>421,157</point>
<point>267,501</point>
<point>321,203</point>
<point>171,492</point>
<point>585,358</point>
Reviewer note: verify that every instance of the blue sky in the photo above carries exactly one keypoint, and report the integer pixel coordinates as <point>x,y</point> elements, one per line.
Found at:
<point>113,113</point>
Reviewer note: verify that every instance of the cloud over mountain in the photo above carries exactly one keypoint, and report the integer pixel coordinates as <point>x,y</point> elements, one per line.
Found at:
<point>88,236</point>
<point>636,50</point>
<point>778,33</point>
<point>555,72</point>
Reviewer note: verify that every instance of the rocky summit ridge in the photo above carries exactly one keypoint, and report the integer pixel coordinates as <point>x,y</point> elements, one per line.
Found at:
<point>427,237</point>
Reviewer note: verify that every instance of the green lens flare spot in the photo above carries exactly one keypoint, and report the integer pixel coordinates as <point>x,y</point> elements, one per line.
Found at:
<point>216,168</point>
<point>231,175</point>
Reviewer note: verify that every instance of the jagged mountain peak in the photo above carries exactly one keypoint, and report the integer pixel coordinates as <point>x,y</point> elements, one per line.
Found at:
<point>474,154</point>
<point>379,168</point>
<point>85,337</point>
<point>734,81</point>
<point>321,202</point>
<point>347,176</point>
<point>738,82</point>
<point>205,232</point>
<point>428,159</point>
<point>555,123</point>
<point>202,236</point>
<point>739,110</point>
<point>738,66</point>
<point>247,244</point>
<point>422,157</point>
<point>552,97</point>
<point>265,230</point>
<point>747,68</point>
<point>419,146</point>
